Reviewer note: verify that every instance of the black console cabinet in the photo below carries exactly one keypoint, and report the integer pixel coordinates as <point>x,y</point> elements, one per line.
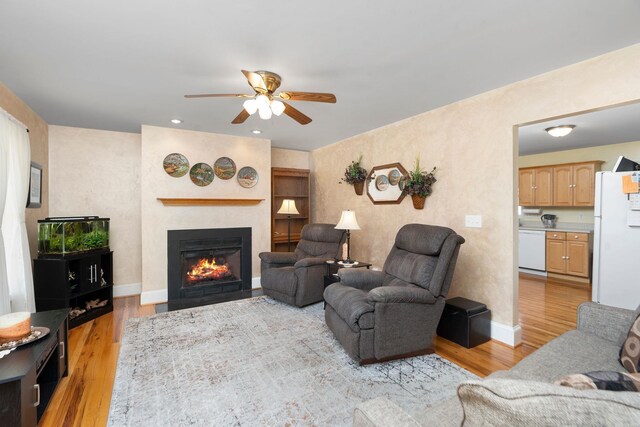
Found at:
<point>72,280</point>
<point>30,374</point>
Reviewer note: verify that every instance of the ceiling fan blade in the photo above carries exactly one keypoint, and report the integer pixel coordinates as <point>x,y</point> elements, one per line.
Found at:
<point>296,115</point>
<point>308,96</point>
<point>255,81</point>
<point>219,95</point>
<point>240,118</point>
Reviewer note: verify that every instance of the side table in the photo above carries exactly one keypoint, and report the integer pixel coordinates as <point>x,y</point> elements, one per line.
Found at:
<point>30,373</point>
<point>332,273</point>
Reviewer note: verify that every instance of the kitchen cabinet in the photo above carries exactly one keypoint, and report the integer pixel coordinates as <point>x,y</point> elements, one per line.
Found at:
<point>571,184</point>
<point>568,253</point>
<point>574,184</point>
<point>535,186</point>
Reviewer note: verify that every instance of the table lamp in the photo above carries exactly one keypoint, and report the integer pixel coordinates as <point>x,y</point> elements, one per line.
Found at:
<point>288,208</point>
<point>348,222</point>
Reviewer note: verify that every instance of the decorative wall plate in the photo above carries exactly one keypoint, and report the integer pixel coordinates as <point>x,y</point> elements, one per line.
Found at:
<point>382,182</point>
<point>394,176</point>
<point>201,174</point>
<point>247,177</point>
<point>176,165</point>
<point>225,168</point>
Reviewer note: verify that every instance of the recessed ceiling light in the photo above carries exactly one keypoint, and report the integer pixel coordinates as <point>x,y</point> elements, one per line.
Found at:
<point>256,131</point>
<point>176,121</point>
<point>559,131</point>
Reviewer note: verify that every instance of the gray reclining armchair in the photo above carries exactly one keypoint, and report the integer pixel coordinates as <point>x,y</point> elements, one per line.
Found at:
<point>297,277</point>
<point>382,315</point>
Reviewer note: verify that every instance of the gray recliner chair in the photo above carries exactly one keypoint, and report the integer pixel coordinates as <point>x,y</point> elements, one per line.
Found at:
<point>297,278</point>
<point>383,315</point>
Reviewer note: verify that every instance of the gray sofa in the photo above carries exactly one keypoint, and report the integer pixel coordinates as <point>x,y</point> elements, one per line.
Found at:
<point>296,278</point>
<point>379,315</point>
<point>526,395</point>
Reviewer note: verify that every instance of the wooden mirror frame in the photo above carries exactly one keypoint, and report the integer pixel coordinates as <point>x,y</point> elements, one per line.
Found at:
<point>396,196</point>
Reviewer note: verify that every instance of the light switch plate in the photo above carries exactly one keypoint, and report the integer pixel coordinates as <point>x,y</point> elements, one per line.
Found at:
<point>473,221</point>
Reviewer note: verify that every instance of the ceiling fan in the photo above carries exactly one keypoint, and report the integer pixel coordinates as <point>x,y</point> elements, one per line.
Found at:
<point>266,102</point>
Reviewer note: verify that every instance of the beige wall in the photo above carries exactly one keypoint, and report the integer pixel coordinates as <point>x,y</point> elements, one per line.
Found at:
<point>283,158</point>
<point>157,219</point>
<point>472,144</point>
<point>607,153</point>
<point>95,172</point>
<point>39,140</point>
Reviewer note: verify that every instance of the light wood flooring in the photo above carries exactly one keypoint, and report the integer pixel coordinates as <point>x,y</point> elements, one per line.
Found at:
<point>547,309</point>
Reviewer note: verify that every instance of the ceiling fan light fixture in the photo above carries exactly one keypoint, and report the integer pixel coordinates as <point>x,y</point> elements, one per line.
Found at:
<point>262,101</point>
<point>176,121</point>
<point>250,106</point>
<point>277,107</point>
<point>264,112</point>
<point>560,131</point>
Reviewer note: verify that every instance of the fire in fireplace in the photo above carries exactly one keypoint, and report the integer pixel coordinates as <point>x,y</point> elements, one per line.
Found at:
<point>207,269</point>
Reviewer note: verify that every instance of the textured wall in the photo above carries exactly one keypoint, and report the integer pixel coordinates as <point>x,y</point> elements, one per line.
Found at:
<point>472,144</point>
<point>39,141</point>
<point>199,147</point>
<point>283,158</point>
<point>608,153</point>
<point>96,172</point>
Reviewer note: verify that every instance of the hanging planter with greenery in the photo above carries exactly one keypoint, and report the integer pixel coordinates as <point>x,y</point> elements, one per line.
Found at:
<point>355,175</point>
<point>418,184</point>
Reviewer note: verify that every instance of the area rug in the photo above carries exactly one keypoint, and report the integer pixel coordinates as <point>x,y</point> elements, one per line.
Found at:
<point>258,362</point>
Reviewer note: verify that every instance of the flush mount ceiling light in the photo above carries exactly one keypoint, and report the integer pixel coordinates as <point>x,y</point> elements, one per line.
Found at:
<point>176,121</point>
<point>256,131</point>
<point>560,131</point>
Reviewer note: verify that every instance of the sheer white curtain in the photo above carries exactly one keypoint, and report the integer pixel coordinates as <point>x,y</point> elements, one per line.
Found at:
<point>5,299</point>
<point>16,245</point>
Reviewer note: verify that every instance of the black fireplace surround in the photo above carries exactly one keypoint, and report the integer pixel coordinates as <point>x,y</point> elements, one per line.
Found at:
<point>208,265</point>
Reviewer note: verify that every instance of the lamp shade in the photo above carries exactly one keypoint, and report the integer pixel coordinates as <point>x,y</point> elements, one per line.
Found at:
<point>288,207</point>
<point>348,221</point>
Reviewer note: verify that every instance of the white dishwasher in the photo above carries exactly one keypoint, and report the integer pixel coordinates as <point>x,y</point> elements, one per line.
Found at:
<point>532,249</point>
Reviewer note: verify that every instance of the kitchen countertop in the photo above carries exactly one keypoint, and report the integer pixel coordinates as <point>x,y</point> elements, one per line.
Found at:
<point>567,226</point>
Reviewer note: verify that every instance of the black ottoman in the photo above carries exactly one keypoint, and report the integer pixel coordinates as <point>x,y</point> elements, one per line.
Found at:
<point>465,322</point>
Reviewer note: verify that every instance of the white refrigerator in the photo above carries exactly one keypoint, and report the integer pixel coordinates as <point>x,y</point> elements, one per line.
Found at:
<point>616,248</point>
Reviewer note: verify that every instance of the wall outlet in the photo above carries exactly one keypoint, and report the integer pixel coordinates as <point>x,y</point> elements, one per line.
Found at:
<point>473,221</point>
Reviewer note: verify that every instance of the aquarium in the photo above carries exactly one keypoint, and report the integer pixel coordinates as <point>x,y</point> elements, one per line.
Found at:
<point>72,235</point>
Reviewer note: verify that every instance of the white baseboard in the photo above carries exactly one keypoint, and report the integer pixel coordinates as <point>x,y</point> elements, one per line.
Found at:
<point>127,290</point>
<point>156,296</point>
<point>255,283</point>
<point>510,335</point>
<point>536,272</point>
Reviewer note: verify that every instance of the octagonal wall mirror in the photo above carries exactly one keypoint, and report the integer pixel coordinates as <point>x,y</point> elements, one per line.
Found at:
<point>385,184</point>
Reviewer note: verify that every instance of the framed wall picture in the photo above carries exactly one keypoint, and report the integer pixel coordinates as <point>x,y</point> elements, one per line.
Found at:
<point>34,198</point>
<point>385,184</point>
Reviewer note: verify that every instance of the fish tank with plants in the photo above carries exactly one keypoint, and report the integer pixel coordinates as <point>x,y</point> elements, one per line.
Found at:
<point>60,236</point>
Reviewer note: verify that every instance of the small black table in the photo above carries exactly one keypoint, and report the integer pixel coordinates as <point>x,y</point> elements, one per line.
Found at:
<point>332,273</point>
<point>30,373</point>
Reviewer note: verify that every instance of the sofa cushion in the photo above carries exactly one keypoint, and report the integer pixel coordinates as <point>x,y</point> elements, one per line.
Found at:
<point>410,238</point>
<point>409,267</point>
<point>351,305</point>
<point>511,402</point>
<point>630,352</point>
<point>573,352</point>
<point>602,380</point>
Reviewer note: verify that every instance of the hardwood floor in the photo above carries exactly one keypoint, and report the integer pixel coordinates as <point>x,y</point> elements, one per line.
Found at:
<point>547,309</point>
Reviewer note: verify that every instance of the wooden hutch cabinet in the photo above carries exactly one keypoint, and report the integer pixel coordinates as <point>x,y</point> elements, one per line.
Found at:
<point>293,184</point>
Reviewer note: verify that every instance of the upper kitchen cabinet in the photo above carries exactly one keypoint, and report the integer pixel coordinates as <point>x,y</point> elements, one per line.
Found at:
<point>535,186</point>
<point>571,184</point>
<point>574,183</point>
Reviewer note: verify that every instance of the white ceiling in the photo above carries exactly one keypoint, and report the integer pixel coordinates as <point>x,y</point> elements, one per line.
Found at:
<point>610,126</point>
<point>118,64</point>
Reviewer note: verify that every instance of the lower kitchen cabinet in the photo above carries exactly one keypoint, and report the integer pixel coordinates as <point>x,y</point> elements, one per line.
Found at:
<point>568,253</point>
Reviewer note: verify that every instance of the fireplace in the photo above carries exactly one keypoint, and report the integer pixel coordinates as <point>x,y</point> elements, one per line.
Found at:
<point>208,265</point>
